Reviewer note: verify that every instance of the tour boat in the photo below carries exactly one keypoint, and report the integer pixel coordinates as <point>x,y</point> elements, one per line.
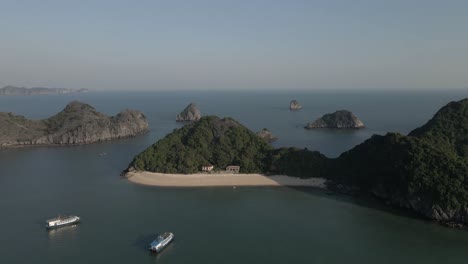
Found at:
<point>161,242</point>
<point>62,221</point>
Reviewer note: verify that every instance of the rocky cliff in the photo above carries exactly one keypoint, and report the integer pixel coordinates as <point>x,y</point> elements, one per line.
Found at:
<point>190,113</point>
<point>294,105</point>
<point>267,135</point>
<point>338,119</point>
<point>12,90</point>
<point>78,123</point>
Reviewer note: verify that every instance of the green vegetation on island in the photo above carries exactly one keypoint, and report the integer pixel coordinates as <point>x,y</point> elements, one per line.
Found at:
<point>296,162</point>
<point>426,171</point>
<point>78,123</point>
<point>211,140</point>
<point>225,142</point>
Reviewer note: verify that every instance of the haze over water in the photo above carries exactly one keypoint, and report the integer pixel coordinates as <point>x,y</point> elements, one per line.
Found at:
<point>212,225</point>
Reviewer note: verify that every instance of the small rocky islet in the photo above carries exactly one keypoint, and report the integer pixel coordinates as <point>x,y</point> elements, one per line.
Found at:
<point>294,105</point>
<point>78,123</point>
<point>266,135</point>
<point>424,171</point>
<point>340,119</point>
<point>189,114</point>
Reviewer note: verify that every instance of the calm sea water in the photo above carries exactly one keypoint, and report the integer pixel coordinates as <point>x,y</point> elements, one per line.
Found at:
<point>212,225</point>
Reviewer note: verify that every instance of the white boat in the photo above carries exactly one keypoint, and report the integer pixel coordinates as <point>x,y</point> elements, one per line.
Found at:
<point>161,242</point>
<point>62,221</point>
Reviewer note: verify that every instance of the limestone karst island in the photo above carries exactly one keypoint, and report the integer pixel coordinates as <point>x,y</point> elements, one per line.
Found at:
<point>190,113</point>
<point>77,123</point>
<point>339,119</point>
<point>423,171</point>
<point>294,105</point>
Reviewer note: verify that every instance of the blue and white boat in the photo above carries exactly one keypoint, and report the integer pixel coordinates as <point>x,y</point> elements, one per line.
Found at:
<point>161,242</point>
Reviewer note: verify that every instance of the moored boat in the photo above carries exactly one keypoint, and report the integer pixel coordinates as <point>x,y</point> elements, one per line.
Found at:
<point>161,242</point>
<point>62,221</point>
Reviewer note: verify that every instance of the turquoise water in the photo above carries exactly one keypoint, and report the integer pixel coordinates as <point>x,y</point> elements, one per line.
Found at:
<point>212,225</point>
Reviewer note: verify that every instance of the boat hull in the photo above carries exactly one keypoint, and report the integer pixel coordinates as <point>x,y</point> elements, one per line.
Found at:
<point>62,225</point>
<point>157,248</point>
<point>156,251</point>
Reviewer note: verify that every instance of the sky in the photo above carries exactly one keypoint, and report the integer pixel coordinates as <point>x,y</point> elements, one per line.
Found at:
<point>230,45</point>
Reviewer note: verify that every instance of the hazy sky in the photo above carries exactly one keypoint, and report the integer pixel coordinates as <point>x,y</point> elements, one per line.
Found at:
<point>251,44</point>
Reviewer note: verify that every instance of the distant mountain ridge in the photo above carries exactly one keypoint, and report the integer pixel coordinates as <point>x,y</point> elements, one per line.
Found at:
<point>13,90</point>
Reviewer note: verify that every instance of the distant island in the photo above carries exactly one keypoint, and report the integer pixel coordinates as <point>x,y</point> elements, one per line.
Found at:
<point>78,123</point>
<point>294,105</point>
<point>13,90</point>
<point>426,171</point>
<point>190,113</point>
<point>338,119</point>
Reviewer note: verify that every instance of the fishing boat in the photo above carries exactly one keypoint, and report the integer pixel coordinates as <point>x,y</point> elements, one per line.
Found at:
<point>60,221</point>
<point>161,242</point>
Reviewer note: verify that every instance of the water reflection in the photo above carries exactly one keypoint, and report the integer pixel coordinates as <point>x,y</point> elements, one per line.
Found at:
<point>161,255</point>
<point>66,231</point>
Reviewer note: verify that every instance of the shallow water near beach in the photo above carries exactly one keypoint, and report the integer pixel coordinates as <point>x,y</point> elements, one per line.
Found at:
<point>212,225</point>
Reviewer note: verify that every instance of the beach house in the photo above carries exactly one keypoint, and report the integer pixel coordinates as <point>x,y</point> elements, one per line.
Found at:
<point>207,168</point>
<point>232,169</point>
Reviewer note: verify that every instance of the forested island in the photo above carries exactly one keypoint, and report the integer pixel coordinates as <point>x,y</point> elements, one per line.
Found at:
<point>340,119</point>
<point>425,171</point>
<point>78,123</point>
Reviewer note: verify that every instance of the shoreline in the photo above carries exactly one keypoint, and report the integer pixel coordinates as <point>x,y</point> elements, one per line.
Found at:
<point>220,180</point>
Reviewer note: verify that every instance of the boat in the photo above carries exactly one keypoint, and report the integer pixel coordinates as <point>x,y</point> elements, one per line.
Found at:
<point>161,242</point>
<point>60,221</point>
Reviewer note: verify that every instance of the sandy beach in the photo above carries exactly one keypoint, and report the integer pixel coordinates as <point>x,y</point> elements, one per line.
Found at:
<point>203,180</point>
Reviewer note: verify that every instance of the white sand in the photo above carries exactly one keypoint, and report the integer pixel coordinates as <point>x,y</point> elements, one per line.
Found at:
<point>218,179</point>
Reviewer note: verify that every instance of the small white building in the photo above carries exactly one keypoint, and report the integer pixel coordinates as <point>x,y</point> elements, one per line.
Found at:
<point>233,169</point>
<point>207,168</point>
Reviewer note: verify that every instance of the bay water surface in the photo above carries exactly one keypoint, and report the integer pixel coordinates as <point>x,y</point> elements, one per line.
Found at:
<point>212,225</point>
